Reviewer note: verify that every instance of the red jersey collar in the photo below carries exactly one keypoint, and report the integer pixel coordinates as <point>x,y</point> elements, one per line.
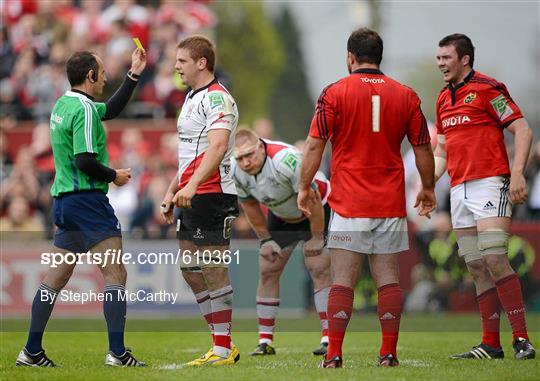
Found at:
<point>368,71</point>
<point>465,80</point>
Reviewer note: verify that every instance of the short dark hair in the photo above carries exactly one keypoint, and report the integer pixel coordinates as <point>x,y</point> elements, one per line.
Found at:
<point>78,66</point>
<point>463,45</point>
<point>200,47</point>
<point>366,45</point>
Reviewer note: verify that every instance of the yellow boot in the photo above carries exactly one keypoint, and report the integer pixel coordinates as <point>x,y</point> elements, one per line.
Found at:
<point>202,360</point>
<point>216,360</point>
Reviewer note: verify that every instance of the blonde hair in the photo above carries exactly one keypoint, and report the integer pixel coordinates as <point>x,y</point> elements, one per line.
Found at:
<point>200,47</point>
<point>244,135</point>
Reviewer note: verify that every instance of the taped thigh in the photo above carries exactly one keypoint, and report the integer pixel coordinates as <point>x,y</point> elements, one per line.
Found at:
<point>493,241</point>
<point>468,248</point>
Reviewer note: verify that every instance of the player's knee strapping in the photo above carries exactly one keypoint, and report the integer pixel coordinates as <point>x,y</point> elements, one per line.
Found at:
<point>493,241</point>
<point>468,248</point>
<point>194,269</point>
<point>215,258</point>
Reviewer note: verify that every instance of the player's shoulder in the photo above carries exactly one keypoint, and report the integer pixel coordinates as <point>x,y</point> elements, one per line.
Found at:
<point>72,99</point>
<point>217,88</point>
<point>482,81</point>
<point>286,159</point>
<point>77,103</point>
<point>276,149</point>
<point>332,87</point>
<point>443,93</point>
<point>202,94</point>
<point>217,97</point>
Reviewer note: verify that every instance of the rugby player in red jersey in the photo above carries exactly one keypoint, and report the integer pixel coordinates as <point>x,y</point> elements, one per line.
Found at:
<point>473,110</point>
<point>366,116</point>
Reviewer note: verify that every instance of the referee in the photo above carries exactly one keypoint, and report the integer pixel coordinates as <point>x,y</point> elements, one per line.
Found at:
<point>81,211</point>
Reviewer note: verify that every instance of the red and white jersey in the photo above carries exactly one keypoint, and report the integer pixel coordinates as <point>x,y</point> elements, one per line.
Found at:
<point>276,185</point>
<point>206,109</point>
<point>472,116</point>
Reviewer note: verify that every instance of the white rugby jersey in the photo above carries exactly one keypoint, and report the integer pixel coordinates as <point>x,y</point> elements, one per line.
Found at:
<point>276,185</point>
<point>205,109</point>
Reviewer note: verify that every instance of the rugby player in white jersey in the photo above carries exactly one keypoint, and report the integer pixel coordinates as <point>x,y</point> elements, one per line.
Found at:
<point>204,190</point>
<point>267,172</point>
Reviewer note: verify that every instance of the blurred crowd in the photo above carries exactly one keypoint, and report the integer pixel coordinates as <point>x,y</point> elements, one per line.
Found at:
<point>37,37</point>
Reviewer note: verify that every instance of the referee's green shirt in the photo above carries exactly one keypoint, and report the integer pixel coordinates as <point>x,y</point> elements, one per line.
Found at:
<point>76,128</point>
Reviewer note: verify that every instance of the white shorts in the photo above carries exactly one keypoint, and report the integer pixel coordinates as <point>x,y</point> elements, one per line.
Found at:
<point>368,235</point>
<point>477,199</point>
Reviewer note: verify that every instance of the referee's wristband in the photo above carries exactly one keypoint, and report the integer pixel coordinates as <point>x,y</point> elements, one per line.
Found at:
<point>263,241</point>
<point>134,77</point>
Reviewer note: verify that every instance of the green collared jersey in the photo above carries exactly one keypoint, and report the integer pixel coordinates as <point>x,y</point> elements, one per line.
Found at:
<point>75,128</point>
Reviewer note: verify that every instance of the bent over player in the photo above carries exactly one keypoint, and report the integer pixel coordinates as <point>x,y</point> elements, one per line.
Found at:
<point>472,113</point>
<point>267,172</point>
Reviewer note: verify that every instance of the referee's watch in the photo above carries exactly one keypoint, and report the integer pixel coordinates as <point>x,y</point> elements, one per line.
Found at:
<point>134,77</point>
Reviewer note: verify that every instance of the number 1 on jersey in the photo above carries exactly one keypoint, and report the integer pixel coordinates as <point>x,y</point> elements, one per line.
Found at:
<point>376,112</point>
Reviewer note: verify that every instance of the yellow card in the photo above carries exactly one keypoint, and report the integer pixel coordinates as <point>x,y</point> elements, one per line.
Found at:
<point>138,43</point>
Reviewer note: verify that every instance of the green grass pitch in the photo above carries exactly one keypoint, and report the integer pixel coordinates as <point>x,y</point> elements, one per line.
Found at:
<point>423,355</point>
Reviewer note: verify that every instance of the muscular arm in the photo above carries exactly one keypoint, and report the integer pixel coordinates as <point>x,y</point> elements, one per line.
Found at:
<point>311,161</point>
<point>173,187</point>
<point>218,142</point>
<point>425,165</point>
<point>522,146</point>
<point>426,168</point>
<point>316,220</point>
<point>255,218</point>
<point>440,157</point>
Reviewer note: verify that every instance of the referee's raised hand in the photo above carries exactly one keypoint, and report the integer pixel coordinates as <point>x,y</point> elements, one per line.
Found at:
<point>122,176</point>
<point>138,61</point>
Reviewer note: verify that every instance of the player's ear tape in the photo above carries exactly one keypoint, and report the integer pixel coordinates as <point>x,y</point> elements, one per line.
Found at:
<point>493,241</point>
<point>273,244</point>
<point>468,248</point>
